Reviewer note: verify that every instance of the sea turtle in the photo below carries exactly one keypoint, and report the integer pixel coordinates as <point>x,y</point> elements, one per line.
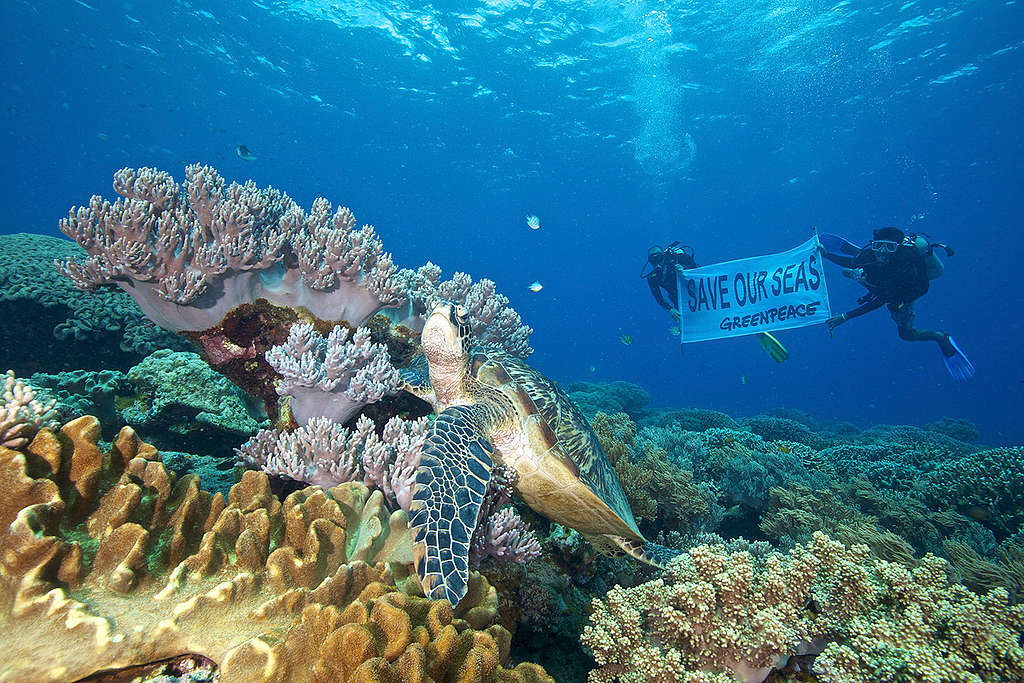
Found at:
<point>492,408</point>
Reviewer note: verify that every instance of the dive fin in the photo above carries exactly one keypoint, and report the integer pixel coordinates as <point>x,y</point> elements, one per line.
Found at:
<point>958,364</point>
<point>773,347</point>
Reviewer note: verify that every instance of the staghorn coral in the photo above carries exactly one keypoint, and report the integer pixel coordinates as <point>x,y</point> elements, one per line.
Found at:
<point>188,255</point>
<point>717,618</point>
<point>21,415</point>
<point>107,562</point>
<point>333,377</point>
<point>324,453</point>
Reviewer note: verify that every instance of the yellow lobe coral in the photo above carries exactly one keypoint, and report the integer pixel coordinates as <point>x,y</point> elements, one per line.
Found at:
<point>108,562</point>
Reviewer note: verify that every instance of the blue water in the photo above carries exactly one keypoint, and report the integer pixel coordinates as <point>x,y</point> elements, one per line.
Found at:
<point>732,126</point>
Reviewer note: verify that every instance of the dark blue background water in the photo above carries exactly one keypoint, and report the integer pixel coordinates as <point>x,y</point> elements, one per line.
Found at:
<point>732,126</point>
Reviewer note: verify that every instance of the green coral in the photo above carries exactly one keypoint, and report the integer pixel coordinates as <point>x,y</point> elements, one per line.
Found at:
<point>176,395</point>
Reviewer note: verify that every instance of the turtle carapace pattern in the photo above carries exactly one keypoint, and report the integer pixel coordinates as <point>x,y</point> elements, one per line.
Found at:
<point>494,409</point>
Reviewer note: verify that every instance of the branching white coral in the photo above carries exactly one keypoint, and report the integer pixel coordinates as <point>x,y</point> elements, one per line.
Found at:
<point>21,415</point>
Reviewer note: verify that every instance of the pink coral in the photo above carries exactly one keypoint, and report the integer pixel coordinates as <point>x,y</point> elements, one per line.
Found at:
<point>333,377</point>
<point>491,319</point>
<point>190,254</point>
<point>325,453</point>
<point>21,415</point>
<point>500,531</point>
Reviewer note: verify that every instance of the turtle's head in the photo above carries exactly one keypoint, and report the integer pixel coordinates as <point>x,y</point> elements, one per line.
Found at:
<point>446,341</point>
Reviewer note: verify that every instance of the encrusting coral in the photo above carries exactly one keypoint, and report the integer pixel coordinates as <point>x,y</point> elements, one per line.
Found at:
<point>719,618</point>
<point>108,562</point>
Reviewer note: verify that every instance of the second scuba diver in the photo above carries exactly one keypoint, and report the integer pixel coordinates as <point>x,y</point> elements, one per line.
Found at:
<point>896,268</point>
<point>664,264</point>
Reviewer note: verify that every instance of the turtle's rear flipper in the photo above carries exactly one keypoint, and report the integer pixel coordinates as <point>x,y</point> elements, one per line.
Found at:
<point>454,469</point>
<point>650,553</point>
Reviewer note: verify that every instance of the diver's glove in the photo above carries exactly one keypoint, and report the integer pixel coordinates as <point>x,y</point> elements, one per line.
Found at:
<point>835,321</point>
<point>855,274</point>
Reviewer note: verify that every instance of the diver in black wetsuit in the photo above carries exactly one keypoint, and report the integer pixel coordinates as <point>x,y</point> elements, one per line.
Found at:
<point>662,276</point>
<point>897,269</point>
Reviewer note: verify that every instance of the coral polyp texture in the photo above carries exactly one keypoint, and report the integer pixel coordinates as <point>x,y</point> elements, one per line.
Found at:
<point>491,319</point>
<point>190,254</point>
<point>722,617</point>
<point>21,415</point>
<point>332,377</point>
<point>325,453</point>
<point>108,562</point>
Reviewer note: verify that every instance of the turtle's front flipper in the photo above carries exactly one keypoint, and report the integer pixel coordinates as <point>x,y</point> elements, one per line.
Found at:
<point>416,379</point>
<point>454,469</point>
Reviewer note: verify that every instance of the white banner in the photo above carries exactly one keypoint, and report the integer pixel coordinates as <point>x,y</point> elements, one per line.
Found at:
<point>747,296</point>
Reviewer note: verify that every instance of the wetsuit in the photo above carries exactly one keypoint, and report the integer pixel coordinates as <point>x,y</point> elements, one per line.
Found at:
<point>895,281</point>
<point>663,277</point>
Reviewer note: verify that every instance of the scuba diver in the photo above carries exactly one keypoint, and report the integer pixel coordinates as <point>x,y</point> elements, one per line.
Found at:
<point>664,264</point>
<point>896,268</point>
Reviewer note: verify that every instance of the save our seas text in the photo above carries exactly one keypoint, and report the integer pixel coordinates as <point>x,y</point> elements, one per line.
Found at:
<point>720,292</point>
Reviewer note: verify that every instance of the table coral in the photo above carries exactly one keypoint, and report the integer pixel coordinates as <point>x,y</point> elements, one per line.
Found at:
<point>108,562</point>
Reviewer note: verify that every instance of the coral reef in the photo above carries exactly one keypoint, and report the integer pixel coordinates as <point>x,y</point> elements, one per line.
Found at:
<point>492,321</point>
<point>772,428</point>
<point>956,428</point>
<point>21,415</point>
<point>190,254</point>
<point>114,563</point>
<point>333,377</point>
<point>716,618</point>
<point>86,392</point>
<point>104,329</point>
<point>987,486</point>
<point>325,453</point>
<point>609,397</point>
<point>690,420</point>
<point>177,401</point>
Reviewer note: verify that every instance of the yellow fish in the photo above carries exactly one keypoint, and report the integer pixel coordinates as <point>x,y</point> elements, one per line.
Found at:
<point>533,222</point>
<point>626,339</point>
<point>536,286</point>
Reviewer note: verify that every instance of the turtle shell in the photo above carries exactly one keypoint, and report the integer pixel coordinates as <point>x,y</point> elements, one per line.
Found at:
<point>566,433</point>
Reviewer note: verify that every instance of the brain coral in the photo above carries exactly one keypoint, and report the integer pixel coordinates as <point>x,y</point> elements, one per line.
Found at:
<point>107,562</point>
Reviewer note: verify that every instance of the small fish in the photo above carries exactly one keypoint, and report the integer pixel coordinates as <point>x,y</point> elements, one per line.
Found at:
<point>674,331</point>
<point>536,286</point>
<point>592,368</point>
<point>533,222</point>
<point>103,136</point>
<point>743,379</point>
<point>784,449</point>
<point>244,154</point>
<point>626,339</point>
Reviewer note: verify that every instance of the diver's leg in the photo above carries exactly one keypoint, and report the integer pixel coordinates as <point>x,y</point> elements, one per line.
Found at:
<point>904,318</point>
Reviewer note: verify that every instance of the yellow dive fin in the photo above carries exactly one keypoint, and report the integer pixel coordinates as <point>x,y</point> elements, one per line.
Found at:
<point>773,347</point>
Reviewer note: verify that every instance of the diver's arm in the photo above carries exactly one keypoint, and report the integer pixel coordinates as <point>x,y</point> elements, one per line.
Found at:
<point>656,291</point>
<point>871,304</point>
<point>839,259</point>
